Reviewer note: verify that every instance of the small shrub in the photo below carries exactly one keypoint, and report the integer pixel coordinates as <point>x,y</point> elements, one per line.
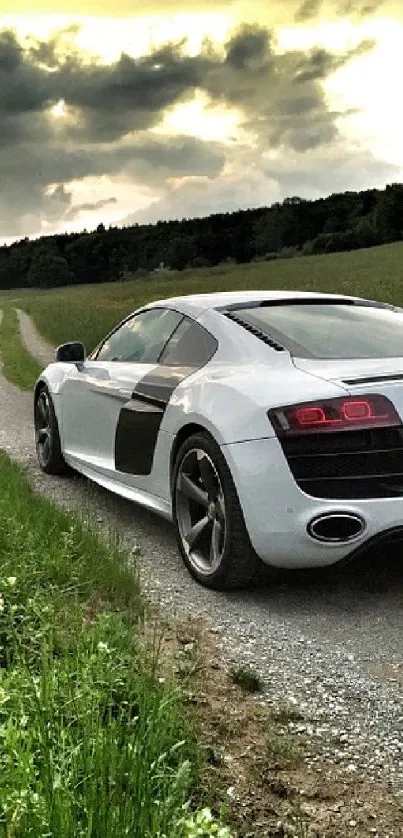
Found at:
<point>285,715</point>
<point>245,678</point>
<point>288,252</point>
<point>283,751</point>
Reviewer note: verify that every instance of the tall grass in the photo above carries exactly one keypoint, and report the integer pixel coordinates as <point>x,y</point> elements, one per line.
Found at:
<point>88,312</point>
<point>92,742</point>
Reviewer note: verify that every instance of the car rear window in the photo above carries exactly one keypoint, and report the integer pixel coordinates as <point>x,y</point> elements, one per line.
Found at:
<point>329,330</point>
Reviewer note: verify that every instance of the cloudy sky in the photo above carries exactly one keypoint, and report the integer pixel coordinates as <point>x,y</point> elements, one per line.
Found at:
<point>126,111</point>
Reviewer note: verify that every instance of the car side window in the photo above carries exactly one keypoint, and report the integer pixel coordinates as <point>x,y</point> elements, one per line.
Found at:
<point>142,338</point>
<point>189,346</point>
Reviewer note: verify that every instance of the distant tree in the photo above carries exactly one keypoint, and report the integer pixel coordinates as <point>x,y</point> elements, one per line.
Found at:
<point>269,231</point>
<point>294,201</point>
<point>88,257</point>
<point>342,221</point>
<point>48,268</point>
<point>365,232</point>
<point>333,225</point>
<point>14,264</point>
<point>117,264</point>
<point>334,242</point>
<point>388,214</point>
<point>179,252</point>
<point>77,254</point>
<point>288,252</point>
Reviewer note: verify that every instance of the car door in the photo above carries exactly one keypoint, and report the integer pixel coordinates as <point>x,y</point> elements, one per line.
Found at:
<point>143,448</point>
<point>93,395</point>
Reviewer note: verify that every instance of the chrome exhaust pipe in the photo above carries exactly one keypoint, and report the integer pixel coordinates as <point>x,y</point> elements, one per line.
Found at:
<point>336,527</point>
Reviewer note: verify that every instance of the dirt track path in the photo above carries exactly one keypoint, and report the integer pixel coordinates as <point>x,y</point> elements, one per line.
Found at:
<point>332,645</point>
<point>42,351</point>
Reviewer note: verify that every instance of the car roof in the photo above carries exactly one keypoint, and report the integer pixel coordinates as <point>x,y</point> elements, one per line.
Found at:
<point>195,304</point>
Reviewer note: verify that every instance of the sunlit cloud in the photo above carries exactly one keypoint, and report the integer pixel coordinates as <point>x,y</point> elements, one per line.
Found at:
<point>199,117</point>
<point>58,111</point>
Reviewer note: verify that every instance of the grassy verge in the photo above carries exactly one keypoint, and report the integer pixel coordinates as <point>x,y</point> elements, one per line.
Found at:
<point>18,365</point>
<point>93,742</point>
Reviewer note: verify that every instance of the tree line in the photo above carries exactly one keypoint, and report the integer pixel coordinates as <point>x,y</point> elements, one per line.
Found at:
<point>345,221</point>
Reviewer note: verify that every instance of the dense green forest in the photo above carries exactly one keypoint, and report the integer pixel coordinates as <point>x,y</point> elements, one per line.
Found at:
<point>346,221</point>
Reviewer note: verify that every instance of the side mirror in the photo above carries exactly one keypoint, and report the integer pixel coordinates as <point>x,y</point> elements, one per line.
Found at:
<point>71,353</point>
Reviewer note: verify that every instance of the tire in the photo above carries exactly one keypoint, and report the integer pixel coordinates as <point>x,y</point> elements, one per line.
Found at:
<point>210,526</point>
<point>47,437</point>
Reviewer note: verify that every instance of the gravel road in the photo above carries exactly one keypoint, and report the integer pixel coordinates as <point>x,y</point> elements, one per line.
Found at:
<point>331,643</point>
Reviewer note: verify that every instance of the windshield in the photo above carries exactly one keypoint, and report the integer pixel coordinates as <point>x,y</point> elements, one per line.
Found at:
<point>330,330</point>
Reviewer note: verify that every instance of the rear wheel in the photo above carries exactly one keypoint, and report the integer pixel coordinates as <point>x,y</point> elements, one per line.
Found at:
<point>47,438</point>
<point>210,526</point>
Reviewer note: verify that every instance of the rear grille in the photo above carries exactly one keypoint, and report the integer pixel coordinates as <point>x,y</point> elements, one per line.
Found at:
<point>350,464</point>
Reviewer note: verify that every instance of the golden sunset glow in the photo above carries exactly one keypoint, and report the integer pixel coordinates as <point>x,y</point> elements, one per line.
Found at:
<point>108,38</point>
<point>198,118</point>
<point>58,111</point>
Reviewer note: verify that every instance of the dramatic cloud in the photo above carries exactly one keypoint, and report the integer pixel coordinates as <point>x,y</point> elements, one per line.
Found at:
<point>322,63</point>
<point>280,94</point>
<point>65,117</point>
<point>333,169</point>
<point>76,211</point>
<point>316,173</point>
<point>308,9</point>
<point>359,8</point>
<point>28,198</point>
<point>197,197</point>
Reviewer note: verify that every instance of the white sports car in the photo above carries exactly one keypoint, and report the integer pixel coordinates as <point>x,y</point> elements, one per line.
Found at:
<point>267,425</point>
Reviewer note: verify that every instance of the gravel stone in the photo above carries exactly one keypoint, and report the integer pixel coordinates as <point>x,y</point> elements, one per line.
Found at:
<point>329,644</point>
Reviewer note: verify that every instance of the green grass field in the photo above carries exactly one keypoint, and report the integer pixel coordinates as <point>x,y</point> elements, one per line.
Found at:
<point>18,365</point>
<point>88,312</point>
<point>90,738</point>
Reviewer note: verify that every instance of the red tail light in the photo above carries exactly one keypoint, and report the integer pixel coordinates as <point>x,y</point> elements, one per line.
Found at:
<point>341,414</point>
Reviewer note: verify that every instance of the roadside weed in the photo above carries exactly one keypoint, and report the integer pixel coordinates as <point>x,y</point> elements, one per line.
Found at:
<point>248,680</point>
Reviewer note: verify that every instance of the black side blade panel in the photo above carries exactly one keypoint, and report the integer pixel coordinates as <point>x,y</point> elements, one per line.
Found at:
<point>136,435</point>
<point>141,417</point>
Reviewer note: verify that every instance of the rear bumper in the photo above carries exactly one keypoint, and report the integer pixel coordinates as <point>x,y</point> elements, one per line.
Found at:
<point>277,512</point>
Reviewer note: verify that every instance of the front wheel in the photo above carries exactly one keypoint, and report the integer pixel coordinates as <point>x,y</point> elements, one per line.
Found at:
<point>210,526</point>
<point>47,438</point>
